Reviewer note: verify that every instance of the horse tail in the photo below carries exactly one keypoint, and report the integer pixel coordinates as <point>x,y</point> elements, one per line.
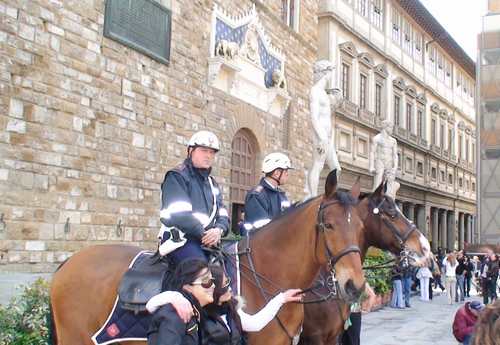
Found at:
<point>52,327</point>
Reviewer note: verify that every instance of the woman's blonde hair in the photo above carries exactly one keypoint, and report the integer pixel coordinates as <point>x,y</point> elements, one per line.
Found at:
<point>452,259</point>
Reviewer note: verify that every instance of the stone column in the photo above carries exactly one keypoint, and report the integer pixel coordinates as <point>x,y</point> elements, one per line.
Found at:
<point>451,238</point>
<point>435,228</point>
<point>443,227</point>
<point>420,220</point>
<point>461,230</point>
<point>473,230</point>
<point>411,212</point>
<point>466,221</point>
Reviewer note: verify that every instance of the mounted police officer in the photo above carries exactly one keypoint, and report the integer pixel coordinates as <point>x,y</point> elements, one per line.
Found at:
<point>192,211</point>
<point>267,200</point>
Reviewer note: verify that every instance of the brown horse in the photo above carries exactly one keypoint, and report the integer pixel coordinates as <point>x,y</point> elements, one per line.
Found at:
<point>385,228</point>
<point>286,253</point>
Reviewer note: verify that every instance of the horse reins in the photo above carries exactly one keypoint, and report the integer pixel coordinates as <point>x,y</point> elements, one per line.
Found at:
<point>331,281</point>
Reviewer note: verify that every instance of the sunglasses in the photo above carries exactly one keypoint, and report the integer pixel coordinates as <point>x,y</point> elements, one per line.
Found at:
<point>206,284</point>
<point>224,288</point>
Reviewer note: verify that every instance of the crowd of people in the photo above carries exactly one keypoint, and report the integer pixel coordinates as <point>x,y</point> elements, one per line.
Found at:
<point>459,273</point>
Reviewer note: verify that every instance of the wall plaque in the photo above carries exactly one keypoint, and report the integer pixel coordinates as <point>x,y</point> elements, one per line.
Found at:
<point>143,25</point>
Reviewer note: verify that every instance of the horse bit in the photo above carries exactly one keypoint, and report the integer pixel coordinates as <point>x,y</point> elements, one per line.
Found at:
<point>404,253</point>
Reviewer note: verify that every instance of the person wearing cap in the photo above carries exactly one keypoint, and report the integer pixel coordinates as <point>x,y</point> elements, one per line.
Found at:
<point>465,320</point>
<point>192,214</point>
<point>267,200</point>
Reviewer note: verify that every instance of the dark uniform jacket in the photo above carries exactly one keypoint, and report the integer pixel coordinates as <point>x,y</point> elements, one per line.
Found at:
<point>167,328</point>
<point>188,197</point>
<point>216,332</point>
<point>264,203</point>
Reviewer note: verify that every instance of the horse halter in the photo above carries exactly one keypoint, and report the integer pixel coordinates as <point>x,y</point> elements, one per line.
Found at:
<point>322,227</point>
<point>404,253</point>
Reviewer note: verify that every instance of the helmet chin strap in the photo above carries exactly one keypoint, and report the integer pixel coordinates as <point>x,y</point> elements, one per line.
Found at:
<point>277,180</point>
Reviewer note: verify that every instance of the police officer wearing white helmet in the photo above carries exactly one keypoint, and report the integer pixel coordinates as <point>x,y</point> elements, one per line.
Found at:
<point>192,212</point>
<point>267,200</point>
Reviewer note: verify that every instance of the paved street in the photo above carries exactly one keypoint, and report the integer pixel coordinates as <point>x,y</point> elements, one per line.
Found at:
<point>425,323</point>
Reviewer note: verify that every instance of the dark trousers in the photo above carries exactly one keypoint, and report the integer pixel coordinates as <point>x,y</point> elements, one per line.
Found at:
<point>431,283</point>
<point>190,250</point>
<point>468,281</point>
<point>437,282</point>
<point>351,336</point>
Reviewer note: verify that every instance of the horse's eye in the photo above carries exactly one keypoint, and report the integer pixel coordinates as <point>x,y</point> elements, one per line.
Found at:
<point>329,226</point>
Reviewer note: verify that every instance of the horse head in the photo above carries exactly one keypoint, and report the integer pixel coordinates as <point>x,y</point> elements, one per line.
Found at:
<point>390,229</point>
<point>342,228</point>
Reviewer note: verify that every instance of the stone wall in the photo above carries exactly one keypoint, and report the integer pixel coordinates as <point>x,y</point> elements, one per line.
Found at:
<point>88,126</point>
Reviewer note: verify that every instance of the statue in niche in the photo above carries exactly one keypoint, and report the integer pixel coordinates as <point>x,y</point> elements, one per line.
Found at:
<point>384,159</point>
<point>322,98</point>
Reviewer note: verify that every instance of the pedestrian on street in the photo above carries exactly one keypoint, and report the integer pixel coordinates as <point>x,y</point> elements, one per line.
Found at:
<point>469,275</point>
<point>424,275</point>
<point>465,320</point>
<point>492,277</point>
<point>451,279</point>
<point>460,273</point>
<point>407,280</point>
<point>397,290</point>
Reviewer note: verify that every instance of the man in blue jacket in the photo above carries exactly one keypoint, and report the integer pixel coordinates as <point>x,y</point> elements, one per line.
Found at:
<point>192,213</point>
<point>267,200</point>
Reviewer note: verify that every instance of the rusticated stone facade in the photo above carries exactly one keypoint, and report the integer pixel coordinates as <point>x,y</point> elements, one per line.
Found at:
<point>88,126</point>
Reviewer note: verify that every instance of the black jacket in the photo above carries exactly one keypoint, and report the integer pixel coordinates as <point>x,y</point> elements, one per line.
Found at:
<point>188,199</point>
<point>167,328</point>
<point>264,203</point>
<point>216,332</point>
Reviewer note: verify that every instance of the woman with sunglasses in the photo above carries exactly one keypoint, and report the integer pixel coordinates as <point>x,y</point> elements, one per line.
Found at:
<point>177,323</point>
<point>223,322</point>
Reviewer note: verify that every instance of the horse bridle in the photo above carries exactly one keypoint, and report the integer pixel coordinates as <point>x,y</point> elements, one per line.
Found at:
<point>404,253</point>
<point>332,282</point>
<point>321,227</point>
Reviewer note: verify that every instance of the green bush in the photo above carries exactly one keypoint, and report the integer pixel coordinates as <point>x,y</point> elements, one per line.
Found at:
<point>379,279</point>
<point>25,320</point>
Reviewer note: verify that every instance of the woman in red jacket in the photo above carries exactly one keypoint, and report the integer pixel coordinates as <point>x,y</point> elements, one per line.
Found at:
<point>465,320</point>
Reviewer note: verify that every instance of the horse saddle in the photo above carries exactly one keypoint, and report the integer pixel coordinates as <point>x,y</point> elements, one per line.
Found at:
<point>144,279</point>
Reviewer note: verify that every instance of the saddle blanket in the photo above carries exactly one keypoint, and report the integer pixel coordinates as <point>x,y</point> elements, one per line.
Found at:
<point>124,325</point>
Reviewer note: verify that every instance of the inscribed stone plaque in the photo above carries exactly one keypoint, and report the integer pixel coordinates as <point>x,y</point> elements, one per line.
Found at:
<point>143,25</point>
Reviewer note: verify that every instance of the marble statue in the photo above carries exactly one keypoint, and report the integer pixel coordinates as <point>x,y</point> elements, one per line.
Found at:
<point>384,159</point>
<point>321,100</point>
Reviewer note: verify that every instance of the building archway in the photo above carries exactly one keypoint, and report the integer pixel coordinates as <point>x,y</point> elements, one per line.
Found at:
<point>244,172</point>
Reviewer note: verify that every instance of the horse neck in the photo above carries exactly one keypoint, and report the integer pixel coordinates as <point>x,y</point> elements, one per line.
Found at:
<point>285,250</point>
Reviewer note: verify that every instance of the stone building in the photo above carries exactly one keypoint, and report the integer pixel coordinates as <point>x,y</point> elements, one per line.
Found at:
<point>90,124</point>
<point>394,60</point>
<point>98,100</point>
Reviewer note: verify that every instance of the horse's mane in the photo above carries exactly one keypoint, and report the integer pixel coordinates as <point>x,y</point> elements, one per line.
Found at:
<point>343,196</point>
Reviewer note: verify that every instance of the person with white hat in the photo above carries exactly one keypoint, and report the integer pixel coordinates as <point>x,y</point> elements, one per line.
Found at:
<point>267,200</point>
<point>192,213</point>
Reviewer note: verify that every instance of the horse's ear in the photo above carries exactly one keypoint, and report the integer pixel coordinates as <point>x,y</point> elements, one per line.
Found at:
<point>356,189</point>
<point>381,189</point>
<point>331,184</point>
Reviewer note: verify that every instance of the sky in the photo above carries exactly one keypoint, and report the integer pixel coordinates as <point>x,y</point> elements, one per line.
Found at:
<point>461,18</point>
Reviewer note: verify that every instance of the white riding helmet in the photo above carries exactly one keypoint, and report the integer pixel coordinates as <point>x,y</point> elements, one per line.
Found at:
<point>276,160</point>
<point>205,139</point>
